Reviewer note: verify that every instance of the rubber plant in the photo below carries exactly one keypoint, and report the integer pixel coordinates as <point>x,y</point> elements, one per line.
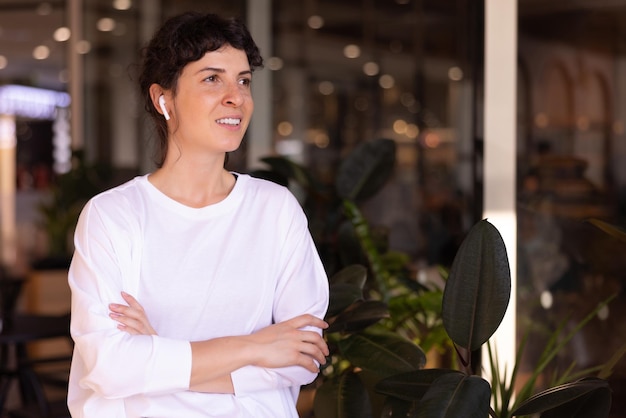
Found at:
<point>377,312</point>
<point>375,371</point>
<point>475,299</point>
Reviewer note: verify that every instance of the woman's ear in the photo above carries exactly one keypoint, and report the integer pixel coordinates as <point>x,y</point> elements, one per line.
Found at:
<point>159,100</point>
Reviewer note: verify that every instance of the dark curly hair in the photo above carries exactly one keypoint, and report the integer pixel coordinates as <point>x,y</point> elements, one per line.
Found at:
<point>183,39</point>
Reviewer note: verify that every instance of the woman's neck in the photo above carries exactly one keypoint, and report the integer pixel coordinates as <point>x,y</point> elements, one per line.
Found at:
<point>193,186</point>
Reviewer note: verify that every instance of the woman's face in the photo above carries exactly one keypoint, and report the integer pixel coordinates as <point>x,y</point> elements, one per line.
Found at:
<point>213,104</point>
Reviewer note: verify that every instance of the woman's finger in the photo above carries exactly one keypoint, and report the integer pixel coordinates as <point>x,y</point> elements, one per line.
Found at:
<point>307,320</point>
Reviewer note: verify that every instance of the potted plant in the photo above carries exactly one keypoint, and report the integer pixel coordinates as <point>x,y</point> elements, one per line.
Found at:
<point>375,371</point>
<point>60,209</point>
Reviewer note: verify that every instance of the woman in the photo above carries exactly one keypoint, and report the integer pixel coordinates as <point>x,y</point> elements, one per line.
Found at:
<point>196,292</point>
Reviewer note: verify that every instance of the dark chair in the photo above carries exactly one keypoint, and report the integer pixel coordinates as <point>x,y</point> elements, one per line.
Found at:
<point>41,379</point>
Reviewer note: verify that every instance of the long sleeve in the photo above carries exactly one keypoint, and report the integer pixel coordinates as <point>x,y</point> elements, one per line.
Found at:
<point>114,363</point>
<point>302,288</point>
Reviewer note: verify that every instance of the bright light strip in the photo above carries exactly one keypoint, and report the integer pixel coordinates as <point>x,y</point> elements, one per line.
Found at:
<point>31,102</point>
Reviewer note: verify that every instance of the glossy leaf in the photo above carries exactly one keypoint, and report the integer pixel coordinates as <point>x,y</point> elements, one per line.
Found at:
<point>343,397</point>
<point>366,169</point>
<point>411,386</point>
<point>394,407</point>
<point>346,288</point>
<point>359,316</point>
<point>570,400</point>
<point>386,353</point>
<point>341,296</point>
<point>596,404</point>
<point>354,274</point>
<point>291,170</point>
<point>610,229</point>
<point>478,289</point>
<point>456,395</point>
<point>349,247</point>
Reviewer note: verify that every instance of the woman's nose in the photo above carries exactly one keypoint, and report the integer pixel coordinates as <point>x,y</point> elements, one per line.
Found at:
<point>233,95</point>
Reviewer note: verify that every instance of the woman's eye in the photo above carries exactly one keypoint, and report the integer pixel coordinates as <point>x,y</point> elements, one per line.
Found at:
<point>211,78</point>
<point>245,81</point>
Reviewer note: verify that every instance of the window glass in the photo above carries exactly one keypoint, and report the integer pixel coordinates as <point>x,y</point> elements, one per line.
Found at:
<point>350,72</point>
<point>570,143</point>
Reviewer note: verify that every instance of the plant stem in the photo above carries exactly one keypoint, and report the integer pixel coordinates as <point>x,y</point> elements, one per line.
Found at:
<point>362,231</point>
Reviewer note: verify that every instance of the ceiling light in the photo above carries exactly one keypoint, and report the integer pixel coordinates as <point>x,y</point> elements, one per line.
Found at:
<point>326,88</point>
<point>455,74</point>
<point>44,9</point>
<point>371,68</point>
<point>64,76</point>
<point>106,24</point>
<point>386,81</point>
<point>83,47</point>
<point>275,63</point>
<point>41,52</point>
<point>122,4</point>
<point>412,130</point>
<point>315,22</point>
<point>407,99</point>
<point>285,128</point>
<point>352,51</point>
<point>62,34</point>
<point>31,102</point>
<point>399,126</point>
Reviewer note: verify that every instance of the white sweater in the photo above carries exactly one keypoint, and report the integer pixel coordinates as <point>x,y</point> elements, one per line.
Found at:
<point>226,269</point>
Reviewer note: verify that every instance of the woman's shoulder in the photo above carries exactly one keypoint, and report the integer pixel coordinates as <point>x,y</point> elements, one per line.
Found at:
<point>121,198</point>
<point>265,188</point>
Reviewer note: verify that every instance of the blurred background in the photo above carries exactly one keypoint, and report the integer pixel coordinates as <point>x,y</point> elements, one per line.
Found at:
<point>338,74</point>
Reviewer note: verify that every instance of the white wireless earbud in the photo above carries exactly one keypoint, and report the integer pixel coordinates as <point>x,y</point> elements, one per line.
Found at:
<point>162,105</point>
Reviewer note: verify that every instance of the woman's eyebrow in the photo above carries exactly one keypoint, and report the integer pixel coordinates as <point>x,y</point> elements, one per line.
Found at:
<point>222,70</point>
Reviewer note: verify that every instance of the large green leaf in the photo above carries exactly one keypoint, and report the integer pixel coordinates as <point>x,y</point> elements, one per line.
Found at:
<point>478,289</point>
<point>343,397</point>
<point>456,395</point>
<point>346,288</point>
<point>359,316</point>
<point>354,274</point>
<point>291,170</point>
<point>384,353</point>
<point>366,169</point>
<point>613,230</point>
<point>349,247</point>
<point>394,407</point>
<point>411,386</point>
<point>341,296</point>
<point>588,398</point>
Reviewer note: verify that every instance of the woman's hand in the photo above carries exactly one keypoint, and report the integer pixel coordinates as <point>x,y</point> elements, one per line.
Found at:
<point>289,344</point>
<point>131,318</point>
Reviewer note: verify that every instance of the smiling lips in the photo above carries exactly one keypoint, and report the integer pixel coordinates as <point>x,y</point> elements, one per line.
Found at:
<point>229,121</point>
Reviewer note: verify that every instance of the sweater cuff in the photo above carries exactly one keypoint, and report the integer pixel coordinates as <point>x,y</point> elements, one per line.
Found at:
<point>173,365</point>
<point>250,379</point>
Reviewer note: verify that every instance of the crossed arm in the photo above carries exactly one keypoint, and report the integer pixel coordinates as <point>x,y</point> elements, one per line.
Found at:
<point>278,345</point>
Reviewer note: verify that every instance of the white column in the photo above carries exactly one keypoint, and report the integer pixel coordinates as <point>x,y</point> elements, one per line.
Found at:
<point>75,61</point>
<point>499,150</point>
<point>8,235</point>
<point>259,138</point>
